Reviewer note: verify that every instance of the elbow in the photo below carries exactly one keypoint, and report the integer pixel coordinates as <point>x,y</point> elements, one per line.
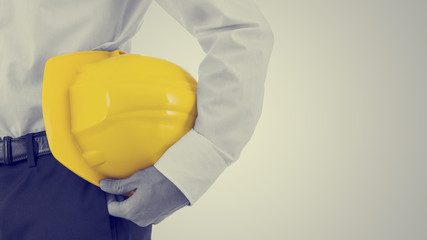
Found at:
<point>267,35</point>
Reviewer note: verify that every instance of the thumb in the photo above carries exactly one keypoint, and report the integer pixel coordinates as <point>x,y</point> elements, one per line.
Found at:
<point>120,186</point>
<point>123,209</point>
<point>118,209</point>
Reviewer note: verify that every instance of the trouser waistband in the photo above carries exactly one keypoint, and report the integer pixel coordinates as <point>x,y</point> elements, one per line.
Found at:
<point>28,147</point>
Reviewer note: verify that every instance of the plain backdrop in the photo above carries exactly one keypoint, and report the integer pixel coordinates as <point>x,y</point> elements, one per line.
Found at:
<point>341,148</point>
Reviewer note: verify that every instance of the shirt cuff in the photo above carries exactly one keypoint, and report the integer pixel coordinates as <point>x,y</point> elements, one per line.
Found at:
<point>193,163</point>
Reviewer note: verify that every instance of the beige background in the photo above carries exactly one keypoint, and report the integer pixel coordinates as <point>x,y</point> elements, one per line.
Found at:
<point>340,151</point>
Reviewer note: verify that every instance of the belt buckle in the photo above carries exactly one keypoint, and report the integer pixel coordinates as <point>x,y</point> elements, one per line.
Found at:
<point>7,150</point>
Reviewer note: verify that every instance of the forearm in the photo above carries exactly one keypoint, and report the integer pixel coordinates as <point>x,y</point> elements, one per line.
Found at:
<point>237,41</point>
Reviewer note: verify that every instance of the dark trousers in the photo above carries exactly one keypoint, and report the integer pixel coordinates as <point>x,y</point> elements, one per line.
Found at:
<point>49,202</point>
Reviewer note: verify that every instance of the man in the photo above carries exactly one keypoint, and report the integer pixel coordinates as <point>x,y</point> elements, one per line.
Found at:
<point>40,198</point>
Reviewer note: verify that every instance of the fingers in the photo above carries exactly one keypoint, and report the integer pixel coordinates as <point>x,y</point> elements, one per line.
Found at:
<point>121,186</point>
<point>123,209</point>
<point>156,198</point>
<point>110,198</point>
<point>115,198</point>
<point>116,209</point>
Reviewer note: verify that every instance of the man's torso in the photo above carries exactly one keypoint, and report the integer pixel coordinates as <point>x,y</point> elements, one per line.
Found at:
<point>31,32</point>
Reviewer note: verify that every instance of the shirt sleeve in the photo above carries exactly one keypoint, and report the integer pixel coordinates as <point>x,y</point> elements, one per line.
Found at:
<point>237,41</point>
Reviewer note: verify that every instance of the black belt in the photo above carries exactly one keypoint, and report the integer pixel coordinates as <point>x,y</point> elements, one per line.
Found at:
<point>27,147</point>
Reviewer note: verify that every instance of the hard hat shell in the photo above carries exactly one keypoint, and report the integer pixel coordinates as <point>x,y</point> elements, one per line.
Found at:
<point>110,114</point>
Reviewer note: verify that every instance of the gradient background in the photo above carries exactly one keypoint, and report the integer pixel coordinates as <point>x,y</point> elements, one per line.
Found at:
<point>341,148</point>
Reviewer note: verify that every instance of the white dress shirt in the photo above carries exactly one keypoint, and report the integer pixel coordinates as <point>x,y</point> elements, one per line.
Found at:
<point>234,35</point>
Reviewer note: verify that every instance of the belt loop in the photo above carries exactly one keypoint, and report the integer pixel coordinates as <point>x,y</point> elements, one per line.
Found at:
<point>7,151</point>
<point>30,150</point>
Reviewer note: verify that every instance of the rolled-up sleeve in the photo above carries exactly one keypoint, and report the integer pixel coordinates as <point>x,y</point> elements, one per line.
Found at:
<point>237,41</point>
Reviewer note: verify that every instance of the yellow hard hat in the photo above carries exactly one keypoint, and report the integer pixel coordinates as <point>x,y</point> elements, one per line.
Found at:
<point>110,114</point>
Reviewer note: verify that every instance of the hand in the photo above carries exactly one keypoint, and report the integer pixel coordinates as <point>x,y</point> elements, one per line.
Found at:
<point>155,197</point>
